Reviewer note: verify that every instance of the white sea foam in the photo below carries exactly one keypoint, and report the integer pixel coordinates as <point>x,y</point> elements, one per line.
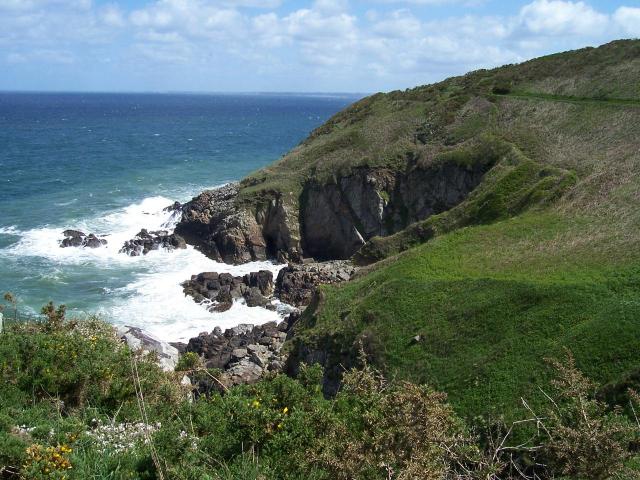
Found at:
<point>117,227</point>
<point>152,298</point>
<point>11,230</point>
<point>66,204</point>
<point>155,301</point>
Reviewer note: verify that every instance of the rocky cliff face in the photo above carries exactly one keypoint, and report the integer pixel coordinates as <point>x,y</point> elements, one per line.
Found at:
<point>338,218</point>
<point>225,231</point>
<point>330,220</point>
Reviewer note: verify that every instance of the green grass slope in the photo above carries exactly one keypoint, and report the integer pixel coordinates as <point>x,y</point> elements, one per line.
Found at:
<point>544,255</point>
<point>489,304</point>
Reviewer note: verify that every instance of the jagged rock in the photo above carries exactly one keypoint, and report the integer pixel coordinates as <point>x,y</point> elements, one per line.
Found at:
<point>221,231</point>
<point>175,207</point>
<point>146,241</point>
<point>223,288</point>
<point>296,283</point>
<point>276,366</point>
<point>138,339</point>
<point>76,238</point>
<point>260,359</point>
<point>180,346</point>
<point>263,280</point>
<point>239,353</point>
<point>254,298</point>
<point>242,373</point>
<point>338,217</point>
<point>242,329</point>
<point>218,225</point>
<point>257,349</point>
<point>244,353</point>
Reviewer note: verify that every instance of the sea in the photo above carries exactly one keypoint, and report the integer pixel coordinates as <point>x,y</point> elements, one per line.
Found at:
<point>109,164</point>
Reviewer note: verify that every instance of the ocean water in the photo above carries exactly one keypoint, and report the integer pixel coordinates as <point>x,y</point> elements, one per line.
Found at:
<point>108,164</point>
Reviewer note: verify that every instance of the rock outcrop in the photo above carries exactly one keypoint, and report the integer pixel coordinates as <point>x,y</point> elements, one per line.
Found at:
<point>138,339</point>
<point>213,223</point>
<point>338,218</point>
<point>296,284</point>
<point>223,288</point>
<point>146,241</point>
<point>174,207</point>
<point>76,238</point>
<point>330,220</point>
<point>216,223</point>
<point>243,354</point>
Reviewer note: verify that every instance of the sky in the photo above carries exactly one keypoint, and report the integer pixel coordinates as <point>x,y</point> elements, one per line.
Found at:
<point>286,45</point>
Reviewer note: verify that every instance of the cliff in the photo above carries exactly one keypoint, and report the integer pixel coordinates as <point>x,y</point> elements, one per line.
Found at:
<point>391,160</point>
<point>497,212</point>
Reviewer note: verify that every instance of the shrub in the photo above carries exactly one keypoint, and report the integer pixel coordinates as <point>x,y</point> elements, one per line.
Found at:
<point>47,462</point>
<point>64,415</point>
<point>585,439</point>
<point>188,361</point>
<point>401,431</point>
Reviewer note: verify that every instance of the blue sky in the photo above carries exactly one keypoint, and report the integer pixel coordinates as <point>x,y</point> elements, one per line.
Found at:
<point>286,45</point>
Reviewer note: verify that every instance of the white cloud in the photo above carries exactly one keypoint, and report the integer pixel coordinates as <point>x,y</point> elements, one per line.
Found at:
<point>399,24</point>
<point>628,18</point>
<point>248,3</point>
<point>190,18</point>
<point>330,6</point>
<point>113,16</point>
<point>16,58</point>
<point>27,5</point>
<point>327,39</point>
<point>435,2</point>
<point>42,56</point>
<point>557,17</point>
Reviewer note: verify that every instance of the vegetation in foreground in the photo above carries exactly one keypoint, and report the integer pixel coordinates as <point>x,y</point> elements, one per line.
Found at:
<point>76,403</point>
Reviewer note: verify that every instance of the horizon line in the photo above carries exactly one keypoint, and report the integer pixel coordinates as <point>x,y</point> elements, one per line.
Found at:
<point>184,92</point>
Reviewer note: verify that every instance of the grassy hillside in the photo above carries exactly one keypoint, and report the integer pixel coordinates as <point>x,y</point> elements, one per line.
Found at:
<point>390,130</point>
<point>525,267</point>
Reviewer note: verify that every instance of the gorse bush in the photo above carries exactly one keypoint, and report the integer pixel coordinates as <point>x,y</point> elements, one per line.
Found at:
<point>72,406</point>
<point>78,364</point>
<point>586,439</point>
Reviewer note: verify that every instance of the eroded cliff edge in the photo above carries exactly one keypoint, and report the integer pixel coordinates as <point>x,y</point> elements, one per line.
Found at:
<point>468,150</point>
<point>328,221</point>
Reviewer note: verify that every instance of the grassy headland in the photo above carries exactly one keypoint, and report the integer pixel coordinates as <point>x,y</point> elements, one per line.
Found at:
<point>543,255</point>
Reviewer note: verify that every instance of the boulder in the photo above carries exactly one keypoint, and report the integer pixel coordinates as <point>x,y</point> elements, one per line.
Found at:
<point>243,373</point>
<point>175,207</point>
<point>138,339</point>
<point>223,288</point>
<point>254,298</point>
<point>146,241</point>
<point>76,238</point>
<point>296,283</point>
<point>244,353</point>
<point>239,353</point>
<point>263,280</point>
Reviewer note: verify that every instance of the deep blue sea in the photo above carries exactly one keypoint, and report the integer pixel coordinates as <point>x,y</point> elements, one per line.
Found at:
<point>108,164</point>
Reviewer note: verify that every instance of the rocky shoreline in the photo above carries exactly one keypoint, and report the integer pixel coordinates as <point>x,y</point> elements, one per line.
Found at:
<point>211,222</point>
<point>246,353</point>
<point>146,241</point>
